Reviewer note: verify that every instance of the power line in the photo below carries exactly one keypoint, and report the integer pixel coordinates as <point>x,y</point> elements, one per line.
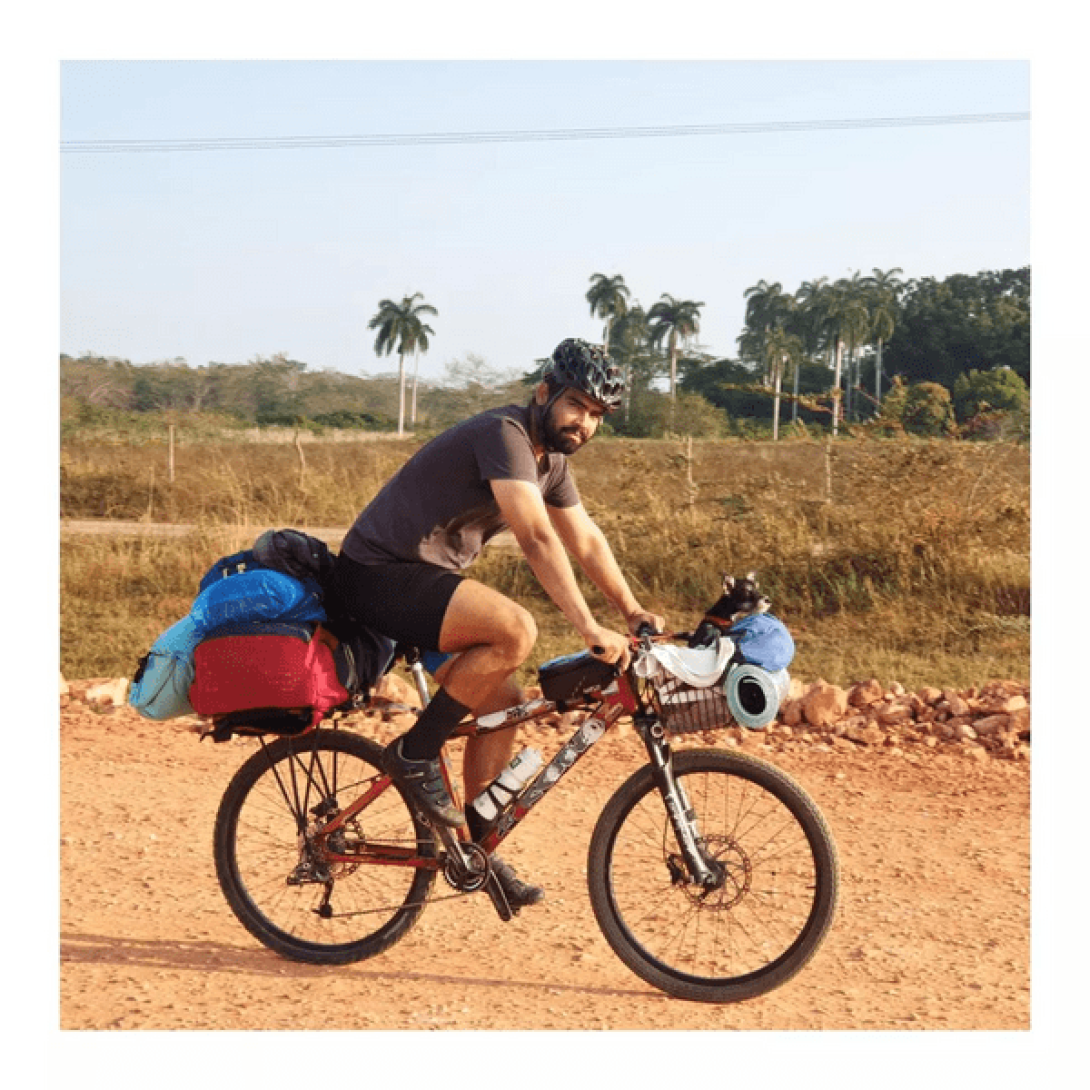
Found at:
<point>520,136</point>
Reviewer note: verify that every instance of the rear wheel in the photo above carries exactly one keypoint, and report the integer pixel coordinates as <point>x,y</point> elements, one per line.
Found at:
<point>767,910</point>
<point>287,882</point>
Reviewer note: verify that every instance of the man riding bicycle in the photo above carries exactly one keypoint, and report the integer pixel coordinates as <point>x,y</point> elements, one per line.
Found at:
<point>399,570</point>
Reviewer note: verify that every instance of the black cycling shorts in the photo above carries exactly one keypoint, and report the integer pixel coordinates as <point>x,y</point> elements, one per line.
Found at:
<point>406,602</point>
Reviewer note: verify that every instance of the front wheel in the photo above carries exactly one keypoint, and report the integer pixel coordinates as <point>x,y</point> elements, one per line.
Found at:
<point>299,888</point>
<point>761,918</point>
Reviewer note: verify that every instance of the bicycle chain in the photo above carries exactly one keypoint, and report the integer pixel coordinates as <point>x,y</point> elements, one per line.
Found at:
<point>404,904</point>
<point>414,904</point>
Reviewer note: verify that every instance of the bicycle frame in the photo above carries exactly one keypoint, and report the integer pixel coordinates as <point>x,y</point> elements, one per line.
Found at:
<point>612,706</point>
<point>606,708</point>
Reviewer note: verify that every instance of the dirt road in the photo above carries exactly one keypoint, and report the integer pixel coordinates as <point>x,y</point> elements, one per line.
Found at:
<point>933,930</point>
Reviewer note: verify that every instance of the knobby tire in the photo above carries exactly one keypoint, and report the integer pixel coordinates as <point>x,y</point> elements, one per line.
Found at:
<point>767,917</point>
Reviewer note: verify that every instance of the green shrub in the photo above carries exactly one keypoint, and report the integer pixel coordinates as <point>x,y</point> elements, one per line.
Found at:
<point>653,416</point>
<point>344,418</point>
<point>928,410</point>
<point>986,392</point>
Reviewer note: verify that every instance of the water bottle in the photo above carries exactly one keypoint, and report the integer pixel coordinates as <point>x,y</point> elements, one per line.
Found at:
<point>507,784</point>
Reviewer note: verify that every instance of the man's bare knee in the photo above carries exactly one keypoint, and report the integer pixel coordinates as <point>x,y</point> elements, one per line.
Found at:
<point>489,626</point>
<point>516,635</point>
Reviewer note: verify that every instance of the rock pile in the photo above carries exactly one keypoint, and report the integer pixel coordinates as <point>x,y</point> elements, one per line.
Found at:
<point>991,720</point>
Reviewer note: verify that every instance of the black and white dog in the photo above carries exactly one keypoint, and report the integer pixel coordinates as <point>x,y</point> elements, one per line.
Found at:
<point>740,598</point>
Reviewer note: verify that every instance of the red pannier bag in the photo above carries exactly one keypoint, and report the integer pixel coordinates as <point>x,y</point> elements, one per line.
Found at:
<point>258,674</point>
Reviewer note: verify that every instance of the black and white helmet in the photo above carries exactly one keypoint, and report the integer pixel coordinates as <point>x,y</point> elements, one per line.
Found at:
<point>587,368</point>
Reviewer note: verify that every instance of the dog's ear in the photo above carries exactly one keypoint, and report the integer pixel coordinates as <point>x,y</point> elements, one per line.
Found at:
<point>752,577</point>
<point>728,583</point>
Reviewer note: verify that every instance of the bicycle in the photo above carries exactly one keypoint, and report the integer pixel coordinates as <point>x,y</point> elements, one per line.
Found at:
<point>712,874</point>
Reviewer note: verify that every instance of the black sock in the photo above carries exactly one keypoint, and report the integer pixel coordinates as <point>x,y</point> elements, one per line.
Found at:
<point>436,724</point>
<point>476,823</point>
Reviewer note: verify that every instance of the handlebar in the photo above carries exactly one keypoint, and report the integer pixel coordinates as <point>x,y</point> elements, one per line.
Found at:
<point>646,633</point>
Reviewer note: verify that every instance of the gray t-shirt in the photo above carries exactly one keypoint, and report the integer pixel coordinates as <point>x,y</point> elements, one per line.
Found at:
<point>439,508</point>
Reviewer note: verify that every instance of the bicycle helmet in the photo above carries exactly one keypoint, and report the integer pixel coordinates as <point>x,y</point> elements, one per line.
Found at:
<point>587,368</point>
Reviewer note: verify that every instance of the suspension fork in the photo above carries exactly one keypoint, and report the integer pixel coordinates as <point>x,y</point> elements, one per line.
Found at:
<point>678,807</point>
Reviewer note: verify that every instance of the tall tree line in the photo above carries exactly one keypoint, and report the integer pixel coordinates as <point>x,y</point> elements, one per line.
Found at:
<point>838,343</point>
<point>868,329</point>
<point>831,348</point>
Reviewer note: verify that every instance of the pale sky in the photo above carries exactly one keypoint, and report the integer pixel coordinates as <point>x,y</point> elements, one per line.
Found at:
<point>228,254</point>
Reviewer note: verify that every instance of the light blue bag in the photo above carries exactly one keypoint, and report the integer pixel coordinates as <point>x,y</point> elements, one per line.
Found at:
<point>160,689</point>
<point>764,641</point>
<point>254,596</point>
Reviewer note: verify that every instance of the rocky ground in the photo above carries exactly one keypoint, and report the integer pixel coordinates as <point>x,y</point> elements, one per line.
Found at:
<point>927,795</point>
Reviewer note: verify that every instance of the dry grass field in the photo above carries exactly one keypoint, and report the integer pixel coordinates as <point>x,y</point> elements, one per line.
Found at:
<point>900,559</point>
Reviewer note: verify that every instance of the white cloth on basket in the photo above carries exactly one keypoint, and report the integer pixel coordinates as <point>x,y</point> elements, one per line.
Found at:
<point>696,666</point>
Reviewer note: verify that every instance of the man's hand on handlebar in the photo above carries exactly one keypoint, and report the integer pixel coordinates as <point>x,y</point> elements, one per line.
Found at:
<point>609,646</point>
<point>612,647</point>
<point>640,621</point>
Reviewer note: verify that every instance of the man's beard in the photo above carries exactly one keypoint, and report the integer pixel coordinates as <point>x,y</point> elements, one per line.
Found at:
<point>561,440</point>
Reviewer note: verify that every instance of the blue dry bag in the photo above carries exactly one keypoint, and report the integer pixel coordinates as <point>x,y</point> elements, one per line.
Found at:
<point>160,688</point>
<point>255,596</point>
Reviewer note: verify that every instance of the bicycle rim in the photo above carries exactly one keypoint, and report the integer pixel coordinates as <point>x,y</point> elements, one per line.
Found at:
<point>280,882</point>
<point>768,914</point>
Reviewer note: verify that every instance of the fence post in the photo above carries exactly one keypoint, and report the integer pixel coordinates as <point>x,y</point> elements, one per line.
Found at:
<point>170,453</point>
<point>690,484</point>
<point>302,459</point>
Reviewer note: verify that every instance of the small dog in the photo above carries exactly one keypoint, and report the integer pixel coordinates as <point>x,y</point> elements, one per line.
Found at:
<point>740,598</point>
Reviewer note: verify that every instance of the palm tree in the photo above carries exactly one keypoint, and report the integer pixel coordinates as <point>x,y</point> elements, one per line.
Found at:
<point>781,348</point>
<point>885,288</point>
<point>419,345</point>
<point>764,302</point>
<point>672,319</point>
<point>630,339</point>
<point>768,307</point>
<point>856,329</point>
<point>810,324</point>
<point>751,344</point>
<point>608,298</point>
<point>846,317</point>
<point>400,328</point>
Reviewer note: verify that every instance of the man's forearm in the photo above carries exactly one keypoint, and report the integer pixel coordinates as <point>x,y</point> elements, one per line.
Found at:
<point>546,556</point>
<point>596,558</point>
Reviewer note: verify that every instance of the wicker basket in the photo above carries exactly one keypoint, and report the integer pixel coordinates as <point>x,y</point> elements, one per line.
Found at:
<point>684,709</point>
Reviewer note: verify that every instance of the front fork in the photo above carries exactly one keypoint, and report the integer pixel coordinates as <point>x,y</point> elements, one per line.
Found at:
<point>702,871</point>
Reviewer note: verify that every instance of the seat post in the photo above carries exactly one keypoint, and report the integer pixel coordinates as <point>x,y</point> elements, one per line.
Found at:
<point>420,677</point>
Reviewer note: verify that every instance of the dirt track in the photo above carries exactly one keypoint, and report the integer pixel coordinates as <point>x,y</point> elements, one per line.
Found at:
<point>933,930</point>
